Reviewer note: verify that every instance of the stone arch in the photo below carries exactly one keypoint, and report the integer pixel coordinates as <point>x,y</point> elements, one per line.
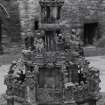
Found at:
<point>4,10</point>
<point>3,14</point>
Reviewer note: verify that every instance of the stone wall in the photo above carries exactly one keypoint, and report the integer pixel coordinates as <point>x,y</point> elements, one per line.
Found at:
<point>75,13</point>
<point>14,21</point>
<point>28,11</point>
<point>80,12</point>
<point>10,26</point>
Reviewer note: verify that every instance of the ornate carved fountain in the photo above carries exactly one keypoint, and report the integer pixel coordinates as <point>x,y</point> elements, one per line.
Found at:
<point>51,69</point>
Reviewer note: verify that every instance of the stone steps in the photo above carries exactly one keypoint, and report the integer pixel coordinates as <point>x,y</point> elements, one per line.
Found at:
<point>94,51</point>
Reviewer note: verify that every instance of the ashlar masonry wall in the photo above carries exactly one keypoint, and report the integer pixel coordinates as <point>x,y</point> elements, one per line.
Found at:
<point>28,11</point>
<point>79,12</point>
<point>75,12</point>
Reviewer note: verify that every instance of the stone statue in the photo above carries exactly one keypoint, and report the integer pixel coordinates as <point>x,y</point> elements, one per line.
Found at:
<point>39,45</point>
<point>29,42</point>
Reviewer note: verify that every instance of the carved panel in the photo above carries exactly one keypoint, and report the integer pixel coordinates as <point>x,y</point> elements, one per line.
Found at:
<point>49,95</point>
<point>50,85</point>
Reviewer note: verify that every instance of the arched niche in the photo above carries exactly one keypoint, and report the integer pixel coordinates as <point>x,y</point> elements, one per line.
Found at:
<point>4,14</point>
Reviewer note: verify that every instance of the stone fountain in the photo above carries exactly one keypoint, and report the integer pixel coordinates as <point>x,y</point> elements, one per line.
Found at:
<point>52,69</point>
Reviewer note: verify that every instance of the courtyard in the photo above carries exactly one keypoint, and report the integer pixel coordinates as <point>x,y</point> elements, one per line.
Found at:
<point>52,32</point>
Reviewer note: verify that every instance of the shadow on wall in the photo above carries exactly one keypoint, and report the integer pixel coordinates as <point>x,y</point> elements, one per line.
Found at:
<point>101,42</point>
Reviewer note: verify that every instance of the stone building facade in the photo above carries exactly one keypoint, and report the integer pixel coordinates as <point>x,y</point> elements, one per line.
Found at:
<point>86,16</point>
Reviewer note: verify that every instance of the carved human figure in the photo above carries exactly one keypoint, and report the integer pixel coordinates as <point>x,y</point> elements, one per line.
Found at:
<point>94,80</point>
<point>75,36</point>
<point>39,45</point>
<point>60,40</point>
<point>29,42</point>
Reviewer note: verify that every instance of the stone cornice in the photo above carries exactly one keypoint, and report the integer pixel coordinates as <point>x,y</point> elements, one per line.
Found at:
<point>51,2</point>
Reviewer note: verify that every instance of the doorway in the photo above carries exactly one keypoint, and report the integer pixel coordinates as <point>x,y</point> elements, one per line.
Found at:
<point>90,33</point>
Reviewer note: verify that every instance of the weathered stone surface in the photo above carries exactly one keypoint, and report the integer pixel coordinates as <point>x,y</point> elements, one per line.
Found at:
<point>11,25</point>
<point>28,11</point>
<point>75,14</point>
<point>45,73</point>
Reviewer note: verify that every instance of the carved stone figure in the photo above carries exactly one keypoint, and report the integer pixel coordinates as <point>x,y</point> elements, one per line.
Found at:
<point>39,45</point>
<point>29,42</point>
<point>52,76</point>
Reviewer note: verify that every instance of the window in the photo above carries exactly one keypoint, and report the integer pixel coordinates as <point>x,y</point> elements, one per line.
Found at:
<point>59,12</point>
<point>36,25</point>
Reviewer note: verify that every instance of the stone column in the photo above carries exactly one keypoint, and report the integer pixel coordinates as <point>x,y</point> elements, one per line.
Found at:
<point>31,98</point>
<point>31,88</point>
<point>10,102</point>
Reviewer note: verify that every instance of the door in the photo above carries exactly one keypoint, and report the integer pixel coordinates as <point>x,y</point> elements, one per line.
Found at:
<point>90,33</point>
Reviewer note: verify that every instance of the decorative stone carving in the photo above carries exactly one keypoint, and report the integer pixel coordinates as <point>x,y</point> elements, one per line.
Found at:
<point>94,83</point>
<point>29,42</point>
<point>52,2</point>
<point>49,75</point>
<point>39,45</point>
